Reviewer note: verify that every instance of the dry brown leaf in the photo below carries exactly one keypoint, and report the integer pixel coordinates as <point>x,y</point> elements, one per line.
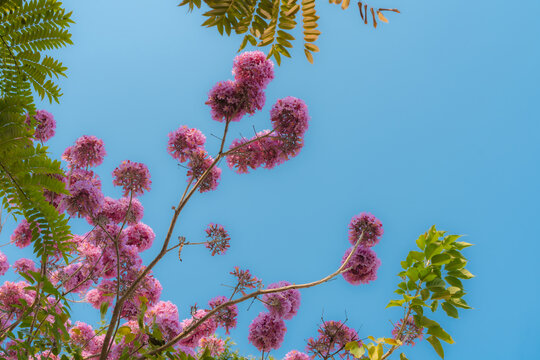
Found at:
<point>374,20</point>
<point>361,12</point>
<point>365,12</point>
<point>308,55</point>
<point>381,17</point>
<point>394,10</point>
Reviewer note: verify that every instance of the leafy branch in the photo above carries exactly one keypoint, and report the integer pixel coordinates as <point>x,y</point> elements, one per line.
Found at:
<point>269,23</point>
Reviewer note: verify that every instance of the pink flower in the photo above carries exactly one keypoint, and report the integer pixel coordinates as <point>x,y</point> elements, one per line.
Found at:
<point>22,236</point>
<point>296,355</point>
<point>290,117</point>
<point>206,328</point>
<point>82,335</point>
<point>290,120</point>
<point>121,212</point>
<point>410,331</point>
<point>283,304</point>
<point>200,162</point>
<point>85,199</point>
<point>253,69</point>
<point>87,151</point>
<point>367,224</point>
<point>11,295</point>
<point>45,125</point>
<point>75,278</point>
<point>219,239</point>
<point>24,265</point>
<point>183,141</point>
<point>267,332</point>
<point>246,156</point>
<point>363,263</point>
<point>104,293</point>
<point>140,235</point>
<point>245,280</point>
<point>226,316</point>
<point>215,345</point>
<point>226,101</point>
<point>268,152</point>
<point>132,176</point>
<point>333,336</point>
<point>4,264</point>
<point>165,315</point>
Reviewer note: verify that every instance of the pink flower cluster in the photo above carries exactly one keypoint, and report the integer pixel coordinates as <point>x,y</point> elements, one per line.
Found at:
<point>267,332</point>
<point>13,298</point>
<point>24,265</point>
<point>45,125</point>
<point>199,163</point>
<point>83,336</point>
<point>245,280</point>
<point>204,329</point>
<point>4,264</point>
<point>187,144</point>
<point>88,151</point>
<point>215,345</point>
<point>219,239</point>
<point>369,226</point>
<point>183,142</point>
<point>133,177</point>
<point>408,332</point>
<point>22,235</point>
<point>296,355</point>
<point>270,148</point>
<point>85,197</point>
<point>231,100</point>
<point>226,316</point>
<point>165,315</point>
<point>282,304</point>
<point>363,263</point>
<point>331,341</point>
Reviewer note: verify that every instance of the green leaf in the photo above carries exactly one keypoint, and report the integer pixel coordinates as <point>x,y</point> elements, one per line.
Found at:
<point>455,264</point>
<point>402,357</point>
<point>441,259</point>
<point>450,309</point>
<point>395,303</point>
<point>440,333</point>
<point>441,295</point>
<point>124,330</point>
<point>460,303</point>
<point>454,281</point>
<point>436,345</point>
<point>436,284</point>
<point>421,241</point>
<point>461,273</point>
<point>103,309</point>
<point>433,249</point>
<point>460,245</point>
<point>424,321</point>
<point>416,255</point>
<point>355,349</point>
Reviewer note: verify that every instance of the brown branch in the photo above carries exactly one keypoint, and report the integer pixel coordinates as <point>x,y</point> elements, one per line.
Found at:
<point>254,294</point>
<point>185,198</point>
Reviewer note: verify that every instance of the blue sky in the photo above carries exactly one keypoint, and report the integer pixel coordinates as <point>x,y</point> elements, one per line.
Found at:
<point>430,119</point>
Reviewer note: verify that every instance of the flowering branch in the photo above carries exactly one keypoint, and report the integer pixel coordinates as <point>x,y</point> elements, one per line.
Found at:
<point>343,268</point>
